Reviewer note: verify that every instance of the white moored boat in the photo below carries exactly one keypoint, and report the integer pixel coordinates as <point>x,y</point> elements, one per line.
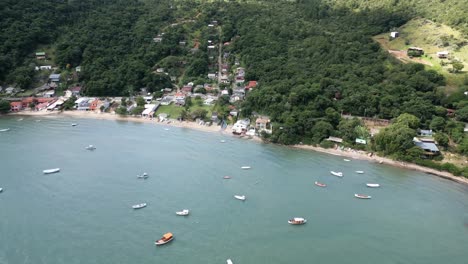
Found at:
<point>346,160</point>
<point>222,141</point>
<point>90,147</point>
<point>49,171</point>
<point>245,167</point>
<point>362,196</point>
<point>339,174</point>
<point>74,124</point>
<point>240,197</point>
<point>143,176</point>
<point>4,130</point>
<point>359,172</point>
<point>297,221</point>
<point>373,185</point>
<point>1,190</point>
<point>227,177</point>
<point>229,261</point>
<point>139,206</point>
<point>166,238</point>
<point>183,212</point>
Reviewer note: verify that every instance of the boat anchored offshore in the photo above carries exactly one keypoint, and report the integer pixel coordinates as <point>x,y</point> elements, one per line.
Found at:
<point>90,147</point>
<point>166,238</point>
<point>227,177</point>
<point>74,124</point>
<point>49,171</point>
<point>139,206</point>
<point>245,167</point>
<point>183,212</point>
<point>362,196</point>
<point>339,174</point>
<point>297,221</point>
<point>359,172</point>
<point>4,130</point>
<point>320,184</point>
<point>240,197</point>
<point>143,176</point>
<point>373,185</point>
<point>229,261</point>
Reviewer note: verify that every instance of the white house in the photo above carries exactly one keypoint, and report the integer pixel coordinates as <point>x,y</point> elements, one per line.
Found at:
<point>442,54</point>
<point>240,126</point>
<point>394,34</point>
<point>209,101</point>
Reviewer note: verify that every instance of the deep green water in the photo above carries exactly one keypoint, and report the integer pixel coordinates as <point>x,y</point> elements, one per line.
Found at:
<point>83,214</point>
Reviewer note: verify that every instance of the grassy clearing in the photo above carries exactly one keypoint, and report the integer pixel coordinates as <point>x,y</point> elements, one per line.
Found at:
<point>432,37</point>
<point>174,111</point>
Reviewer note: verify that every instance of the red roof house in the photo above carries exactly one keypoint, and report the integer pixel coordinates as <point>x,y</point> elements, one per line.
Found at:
<point>251,84</point>
<point>94,105</point>
<point>16,106</point>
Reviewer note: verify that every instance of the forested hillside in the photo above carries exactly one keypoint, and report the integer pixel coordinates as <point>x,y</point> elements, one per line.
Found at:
<point>313,59</point>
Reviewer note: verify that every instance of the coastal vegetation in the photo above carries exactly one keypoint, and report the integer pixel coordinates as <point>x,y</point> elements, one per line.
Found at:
<point>315,61</point>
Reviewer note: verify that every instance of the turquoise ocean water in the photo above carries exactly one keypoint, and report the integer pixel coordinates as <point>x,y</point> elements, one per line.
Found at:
<point>83,214</point>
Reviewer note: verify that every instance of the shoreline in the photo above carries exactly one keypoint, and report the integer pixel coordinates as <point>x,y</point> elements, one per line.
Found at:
<point>353,154</point>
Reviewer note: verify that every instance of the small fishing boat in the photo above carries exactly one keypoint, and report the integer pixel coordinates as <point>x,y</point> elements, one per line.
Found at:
<point>166,238</point>
<point>49,171</point>
<point>240,197</point>
<point>74,124</point>
<point>167,129</point>
<point>359,172</point>
<point>90,147</point>
<point>373,185</point>
<point>346,160</point>
<point>245,167</point>
<point>320,184</point>
<point>229,261</point>
<point>297,221</point>
<point>223,141</point>
<point>227,177</point>
<point>4,130</point>
<point>1,190</point>
<point>21,119</point>
<point>143,176</point>
<point>139,206</point>
<point>362,196</point>
<point>339,174</point>
<point>183,212</point>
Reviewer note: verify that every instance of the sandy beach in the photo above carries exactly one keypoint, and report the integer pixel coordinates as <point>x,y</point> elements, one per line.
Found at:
<point>348,153</point>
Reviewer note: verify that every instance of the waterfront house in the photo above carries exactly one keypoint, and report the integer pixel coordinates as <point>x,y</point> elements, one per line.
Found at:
<point>93,106</point>
<point>41,106</point>
<point>430,148</point>
<point>149,110</point>
<point>16,106</point>
<point>55,105</point>
<point>262,123</point>
<point>36,100</point>
<point>54,78</point>
<point>335,139</point>
<point>240,126</point>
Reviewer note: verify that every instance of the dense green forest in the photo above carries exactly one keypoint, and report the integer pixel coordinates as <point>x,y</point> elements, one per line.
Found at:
<point>314,60</point>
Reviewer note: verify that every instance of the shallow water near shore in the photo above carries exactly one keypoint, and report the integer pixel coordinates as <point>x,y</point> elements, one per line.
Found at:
<point>83,214</point>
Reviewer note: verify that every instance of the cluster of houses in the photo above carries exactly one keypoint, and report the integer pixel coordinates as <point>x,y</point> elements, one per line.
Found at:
<point>244,126</point>
<point>35,103</point>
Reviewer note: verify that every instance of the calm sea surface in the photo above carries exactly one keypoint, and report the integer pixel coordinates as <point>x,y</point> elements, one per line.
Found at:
<point>83,214</point>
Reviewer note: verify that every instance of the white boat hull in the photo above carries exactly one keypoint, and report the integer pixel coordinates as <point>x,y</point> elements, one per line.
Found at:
<point>160,242</point>
<point>4,130</point>
<point>361,196</point>
<point>183,213</point>
<point>359,172</point>
<point>139,206</point>
<point>240,197</point>
<point>338,174</point>
<point>373,185</point>
<point>245,167</point>
<point>51,171</point>
<point>229,261</point>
